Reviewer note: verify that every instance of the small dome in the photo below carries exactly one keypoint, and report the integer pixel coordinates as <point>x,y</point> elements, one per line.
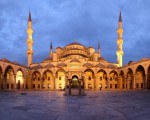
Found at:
<point>16,63</point>
<point>111,65</point>
<point>87,65</point>
<point>101,59</point>
<point>49,65</point>
<point>48,58</point>
<point>37,66</point>
<point>75,60</point>
<point>99,65</point>
<point>144,59</point>
<point>61,65</point>
<point>4,59</point>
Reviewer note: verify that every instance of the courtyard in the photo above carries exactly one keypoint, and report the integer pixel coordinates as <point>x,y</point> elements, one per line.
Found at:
<point>96,105</point>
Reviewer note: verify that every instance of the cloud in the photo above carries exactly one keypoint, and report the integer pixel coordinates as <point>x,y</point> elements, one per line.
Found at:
<point>63,21</point>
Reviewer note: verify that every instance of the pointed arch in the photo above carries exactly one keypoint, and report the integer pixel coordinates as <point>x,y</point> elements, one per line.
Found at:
<point>9,78</point>
<point>140,77</point>
<point>36,80</point>
<point>9,67</point>
<point>148,78</point>
<point>101,79</point>
<point>20,69</point>
<point>122,82</point>
<point>89,78</point>
<point>113,80</point>
<point>48,80</point>
<point>19,79</point>
<point>1,78</point>
<point>60,79</point>
<point>130,79</point>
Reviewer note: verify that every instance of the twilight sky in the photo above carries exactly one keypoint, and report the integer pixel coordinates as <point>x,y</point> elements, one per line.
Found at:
<point>85,21</point>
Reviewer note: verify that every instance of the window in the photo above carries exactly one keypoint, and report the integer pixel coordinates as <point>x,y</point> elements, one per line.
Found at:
<point>110,85</point>
<point>116,86</point>
<point>7,86</point>
<point>12,86</point>
<point>100,78</point>
<point>38,78</point>
<point>89,78</point>
<point>33,79</point>
<point>33,85</point>
<point>26,86</point>
<point>123,86</point>
<point>141,85</point>
<point>59,78</point>
<point>137,85</point>
<point>110,78</point>
<point>48,78</point>
<point>38,85</point>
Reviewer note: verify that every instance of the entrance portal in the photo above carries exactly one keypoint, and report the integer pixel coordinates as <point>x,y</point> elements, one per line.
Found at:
<point>18,84</point>
<point>75,83</point>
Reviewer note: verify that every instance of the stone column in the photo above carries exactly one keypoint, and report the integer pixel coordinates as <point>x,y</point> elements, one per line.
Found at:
<point>94,77</point>
<point>5,83</point>
<point>145,82</point>
<point>54,82</point>
<point>134,81</point>
<point>108,82</point>
<point>14,82</point>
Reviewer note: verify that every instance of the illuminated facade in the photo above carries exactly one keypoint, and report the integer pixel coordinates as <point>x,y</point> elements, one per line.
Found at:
<point>75,62</point>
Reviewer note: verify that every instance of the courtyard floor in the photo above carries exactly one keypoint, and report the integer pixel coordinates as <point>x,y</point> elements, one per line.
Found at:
<point>96,105</point>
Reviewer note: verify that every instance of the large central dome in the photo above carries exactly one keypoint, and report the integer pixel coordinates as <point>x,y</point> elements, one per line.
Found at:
<point>75,43</point>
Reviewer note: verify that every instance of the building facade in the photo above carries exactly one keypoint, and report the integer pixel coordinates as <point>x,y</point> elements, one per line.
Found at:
<point>75,63</point>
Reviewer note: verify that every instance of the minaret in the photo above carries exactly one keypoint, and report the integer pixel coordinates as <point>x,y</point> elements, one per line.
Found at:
<point>29,40</point>
<point>51,51</point>
<point>99,51</point>
<point>120,42</point>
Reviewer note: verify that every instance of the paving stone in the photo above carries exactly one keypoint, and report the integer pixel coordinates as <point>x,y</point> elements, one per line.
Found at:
<point>96,105</point>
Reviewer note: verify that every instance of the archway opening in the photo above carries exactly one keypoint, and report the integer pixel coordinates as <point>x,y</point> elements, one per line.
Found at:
<point>48,80</point>
<point>75,82</point>
<point>122,82</point>
<point>101,80</point>
<point>130,79</point>
<point>9,79</point>
<point>113,80</point>
<point>148,78</point>
<point>19,79</point>
<point>140,77</point>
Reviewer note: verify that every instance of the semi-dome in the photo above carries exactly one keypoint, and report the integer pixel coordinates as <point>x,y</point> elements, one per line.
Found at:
<point>37,66</point>
<point>49,65</point>
<point>99,65</point>
<point>144,59</point>
<point>87,65</point>
<point>74,60</point>
<point>4,59</point>
<point>61,65</point>
<point>111,66</point>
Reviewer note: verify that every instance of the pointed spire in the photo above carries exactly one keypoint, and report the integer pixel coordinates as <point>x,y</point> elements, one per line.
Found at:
<point>29,18</point>
<point>120,18</point>
<point>98,45</point>
<point>51,47</point>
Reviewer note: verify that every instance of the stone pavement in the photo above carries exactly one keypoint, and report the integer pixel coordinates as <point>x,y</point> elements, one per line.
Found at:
<point>53,105</point>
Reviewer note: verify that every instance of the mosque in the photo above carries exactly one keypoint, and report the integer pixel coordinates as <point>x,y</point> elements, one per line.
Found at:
<point>75,65</point>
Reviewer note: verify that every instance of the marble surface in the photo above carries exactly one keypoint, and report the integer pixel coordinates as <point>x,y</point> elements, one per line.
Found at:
<point>96,105</point>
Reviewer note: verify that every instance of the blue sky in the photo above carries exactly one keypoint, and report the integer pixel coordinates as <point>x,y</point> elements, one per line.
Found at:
<point>63,21</point>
